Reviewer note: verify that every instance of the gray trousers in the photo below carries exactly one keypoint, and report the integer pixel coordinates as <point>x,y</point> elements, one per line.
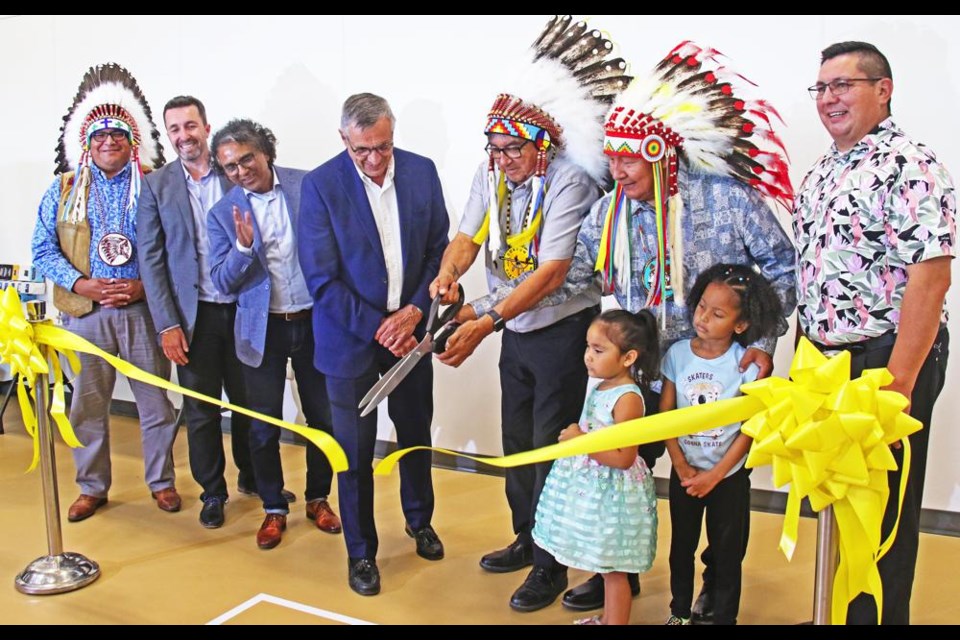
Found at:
<point>128,333</point>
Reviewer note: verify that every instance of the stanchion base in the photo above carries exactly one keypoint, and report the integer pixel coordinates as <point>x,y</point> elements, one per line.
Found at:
<point>57,574</point>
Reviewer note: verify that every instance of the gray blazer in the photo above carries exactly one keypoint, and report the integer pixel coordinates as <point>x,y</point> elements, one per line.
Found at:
<point>244,275</point>
<point>167,248</point>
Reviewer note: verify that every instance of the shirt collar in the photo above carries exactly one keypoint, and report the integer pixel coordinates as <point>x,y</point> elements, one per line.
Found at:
<point>387,178</point>
<point>269,195</point>
<point>203,178</point>
<point>97,171</point>
<point>869,141</point>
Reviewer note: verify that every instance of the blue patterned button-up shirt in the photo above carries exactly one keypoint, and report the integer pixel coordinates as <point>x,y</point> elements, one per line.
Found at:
<point>47,256</point>
<point>723,221</point>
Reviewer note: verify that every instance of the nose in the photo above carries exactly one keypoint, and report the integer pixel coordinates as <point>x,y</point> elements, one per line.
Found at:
<point>616,168</point>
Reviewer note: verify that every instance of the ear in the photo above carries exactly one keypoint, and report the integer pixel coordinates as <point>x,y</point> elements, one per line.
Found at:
<point>741,326</point>
<point>885,90</point>
<point>629,358</point>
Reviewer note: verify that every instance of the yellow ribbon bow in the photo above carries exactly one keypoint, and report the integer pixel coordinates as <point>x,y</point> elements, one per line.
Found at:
<point>825,434</point>
<point>829,437</point>
<point>30,347</point>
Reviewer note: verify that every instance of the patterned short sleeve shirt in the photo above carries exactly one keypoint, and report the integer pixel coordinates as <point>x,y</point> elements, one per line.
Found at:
<point>861,217</point>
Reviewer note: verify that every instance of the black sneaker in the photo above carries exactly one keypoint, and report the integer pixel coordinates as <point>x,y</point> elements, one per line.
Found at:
<point>539,590</point>
<point>211,515</point>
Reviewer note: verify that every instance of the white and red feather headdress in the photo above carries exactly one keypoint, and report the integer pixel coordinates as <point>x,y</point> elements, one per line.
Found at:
<point>691,105</point>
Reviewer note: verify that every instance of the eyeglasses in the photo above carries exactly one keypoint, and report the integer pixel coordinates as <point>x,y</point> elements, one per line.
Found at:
<point>246,162</point>
<point>116,135</point>
<point>837,87</point>
<point>380,149</point>
<point>513,151</point>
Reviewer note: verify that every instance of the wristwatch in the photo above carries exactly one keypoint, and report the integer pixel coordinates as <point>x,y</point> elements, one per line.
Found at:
<point>498,321</point>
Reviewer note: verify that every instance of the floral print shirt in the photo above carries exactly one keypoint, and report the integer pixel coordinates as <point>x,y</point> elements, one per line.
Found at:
<point>861,217</point>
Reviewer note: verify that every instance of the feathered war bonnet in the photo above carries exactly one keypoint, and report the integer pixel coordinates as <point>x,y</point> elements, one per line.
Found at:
<point>557,102</point>
<point>108,98</point>
<point>688,105</point>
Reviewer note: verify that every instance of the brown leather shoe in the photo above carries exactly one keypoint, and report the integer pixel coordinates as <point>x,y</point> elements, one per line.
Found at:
<point>271,530</point>
<point>84,507</point>
<point>167,499</point>
<point>320,512</point>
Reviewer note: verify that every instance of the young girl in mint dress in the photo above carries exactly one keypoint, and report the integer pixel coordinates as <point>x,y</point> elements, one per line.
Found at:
<point>598,512</point>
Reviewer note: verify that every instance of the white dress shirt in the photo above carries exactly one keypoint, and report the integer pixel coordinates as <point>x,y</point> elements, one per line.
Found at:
<point>288,289</point>
<point>383,202</point>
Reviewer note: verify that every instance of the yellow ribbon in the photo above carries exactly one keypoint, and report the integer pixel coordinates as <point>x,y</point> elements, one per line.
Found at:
<point>825,434</point>
<point>29,347</point>
<point>829,437</point>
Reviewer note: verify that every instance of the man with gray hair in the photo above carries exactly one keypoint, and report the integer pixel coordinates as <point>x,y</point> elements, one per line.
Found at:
<point>253,256</point>
<point>372,231</point>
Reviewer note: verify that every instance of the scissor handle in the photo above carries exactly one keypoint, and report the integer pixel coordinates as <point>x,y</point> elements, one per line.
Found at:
<point>440,340</point>
<point>434,323</point>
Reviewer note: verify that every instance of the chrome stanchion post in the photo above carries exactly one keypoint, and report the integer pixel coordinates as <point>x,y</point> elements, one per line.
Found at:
<point>60,570</point>
<point>827,558</point>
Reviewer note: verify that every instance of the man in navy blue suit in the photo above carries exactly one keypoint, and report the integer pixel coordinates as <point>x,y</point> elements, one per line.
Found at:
<point>372,230</point>
<point>252,232</point>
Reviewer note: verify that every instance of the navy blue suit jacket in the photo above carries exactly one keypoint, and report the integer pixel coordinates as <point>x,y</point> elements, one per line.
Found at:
<point>246,276</point>
<point>342,258</point>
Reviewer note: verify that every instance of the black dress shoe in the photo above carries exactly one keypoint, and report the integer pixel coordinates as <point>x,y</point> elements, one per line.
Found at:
<point>211,515</point>
<point>513,558</point>
<point>364,576</point>
<point>428,543</point>
<point>539,590</point>
<point>702,611</point>
<point>589,595</point>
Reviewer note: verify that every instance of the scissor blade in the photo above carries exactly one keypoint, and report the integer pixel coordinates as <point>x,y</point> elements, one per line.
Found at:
<point>390,380</point>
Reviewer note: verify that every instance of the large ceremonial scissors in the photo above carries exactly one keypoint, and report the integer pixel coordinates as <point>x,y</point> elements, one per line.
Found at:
<point>439,328</point>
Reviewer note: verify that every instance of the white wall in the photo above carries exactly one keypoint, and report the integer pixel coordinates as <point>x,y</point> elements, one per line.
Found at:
<point>441,75</point>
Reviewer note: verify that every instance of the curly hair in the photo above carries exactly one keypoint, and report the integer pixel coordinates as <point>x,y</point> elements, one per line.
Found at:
<point>760,307</point>
<point>637,331</point>
<point>242,131</point>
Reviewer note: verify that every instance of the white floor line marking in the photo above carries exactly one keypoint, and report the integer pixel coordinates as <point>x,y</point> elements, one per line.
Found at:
<point>290,604</point>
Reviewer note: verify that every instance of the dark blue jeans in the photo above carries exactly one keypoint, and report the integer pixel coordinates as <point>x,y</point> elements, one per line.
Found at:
<point>265,384</point>
<point>214,367</point>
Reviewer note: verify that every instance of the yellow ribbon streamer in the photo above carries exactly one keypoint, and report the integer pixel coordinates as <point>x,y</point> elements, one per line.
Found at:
<point>826,435</point>
<point>29,347</point>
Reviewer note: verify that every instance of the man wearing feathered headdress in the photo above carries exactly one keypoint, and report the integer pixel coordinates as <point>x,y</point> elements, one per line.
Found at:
<point>85,241</point>
<point>692,162</point>
<point>544,169</point>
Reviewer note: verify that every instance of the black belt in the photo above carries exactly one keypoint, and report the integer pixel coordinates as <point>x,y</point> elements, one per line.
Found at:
<point>290,316</point>
<point>870,344</point>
